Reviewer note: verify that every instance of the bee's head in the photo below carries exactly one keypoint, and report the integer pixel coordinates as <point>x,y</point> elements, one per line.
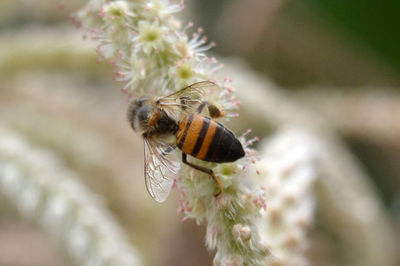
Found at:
<point>139,113</point>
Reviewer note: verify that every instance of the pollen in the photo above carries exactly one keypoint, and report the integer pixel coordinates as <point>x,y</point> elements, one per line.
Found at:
<point>150,34</point>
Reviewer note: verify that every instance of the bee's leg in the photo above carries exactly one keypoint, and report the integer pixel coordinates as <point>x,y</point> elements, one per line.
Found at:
<point>169,149</point>
<point>204,170</point>
<point>184,100</point>
<point>201,107</point>
<point>212,109</point>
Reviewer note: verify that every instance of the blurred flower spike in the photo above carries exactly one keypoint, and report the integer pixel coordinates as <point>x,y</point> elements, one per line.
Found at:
<point>47,192</point>
<point>154,55</point>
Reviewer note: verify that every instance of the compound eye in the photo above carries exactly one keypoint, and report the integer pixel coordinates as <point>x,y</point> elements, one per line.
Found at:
<point>143,116</point>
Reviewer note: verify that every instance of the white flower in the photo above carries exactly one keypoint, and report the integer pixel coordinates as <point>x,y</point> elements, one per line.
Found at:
<point>149,38</point>
<point>163,8</point>
<point>241,232</point>
<point>131,73</point>
<point>192,47</point>
<point>184,72</point>
<point>117,12</point>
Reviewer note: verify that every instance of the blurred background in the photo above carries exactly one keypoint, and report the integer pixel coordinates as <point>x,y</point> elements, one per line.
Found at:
<point>339,59</point>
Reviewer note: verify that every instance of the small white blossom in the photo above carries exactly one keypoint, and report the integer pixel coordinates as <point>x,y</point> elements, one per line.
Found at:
<point>241,232</point>
<point>162,9</point>
<point>117,12</point>
<point>149,38</point>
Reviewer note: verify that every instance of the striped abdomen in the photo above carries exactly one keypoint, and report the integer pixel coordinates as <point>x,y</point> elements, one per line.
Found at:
<point>207,140</point>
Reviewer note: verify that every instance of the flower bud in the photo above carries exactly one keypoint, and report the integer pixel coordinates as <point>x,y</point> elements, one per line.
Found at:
<point>241,232</point>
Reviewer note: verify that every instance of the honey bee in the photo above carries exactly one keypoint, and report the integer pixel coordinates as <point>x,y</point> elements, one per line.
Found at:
<point>177,121</point>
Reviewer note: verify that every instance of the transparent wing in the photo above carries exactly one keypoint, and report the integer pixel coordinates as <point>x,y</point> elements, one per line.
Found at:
<point>194,90</point>
<point>187,99</point>
<point>160,167</point>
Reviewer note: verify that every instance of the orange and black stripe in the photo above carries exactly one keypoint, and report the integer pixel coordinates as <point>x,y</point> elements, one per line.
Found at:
<point>207,140</point>
<point>183,128</point>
